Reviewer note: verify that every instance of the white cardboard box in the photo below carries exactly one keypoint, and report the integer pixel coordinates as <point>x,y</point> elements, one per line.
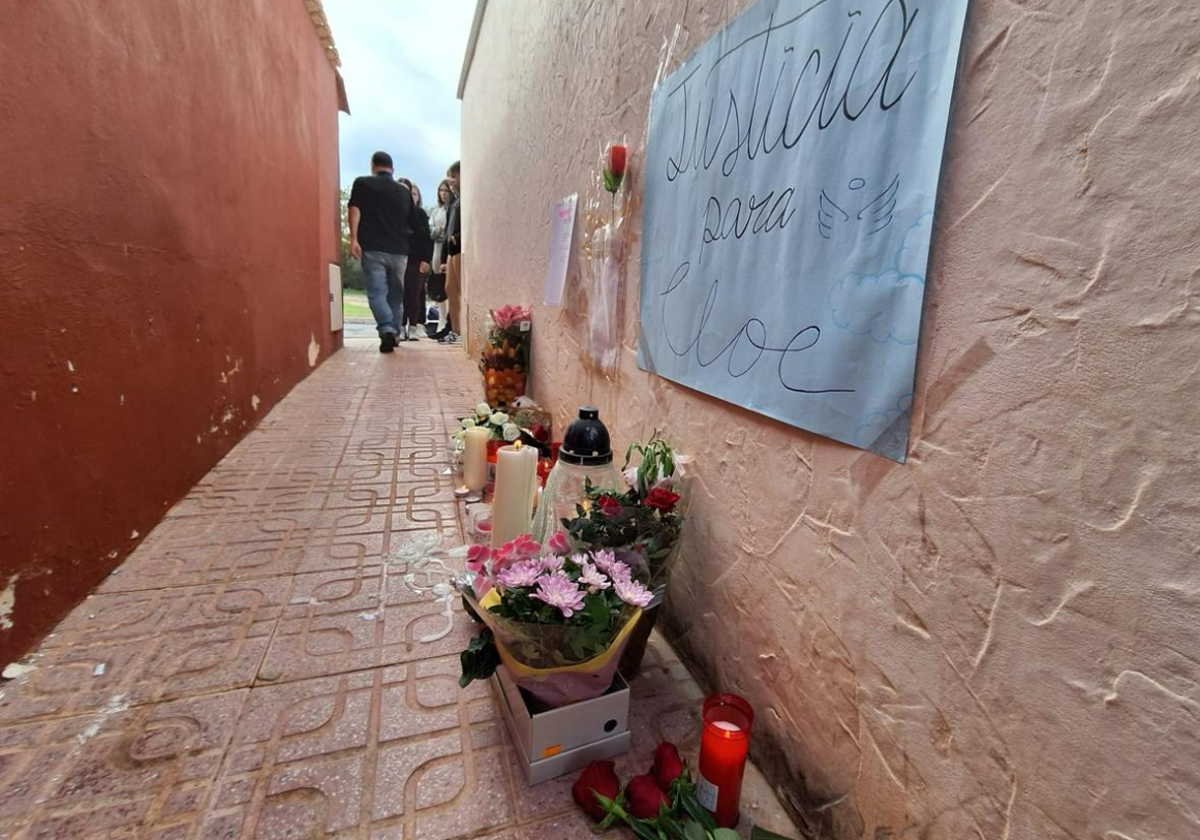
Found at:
<point>558,741</point>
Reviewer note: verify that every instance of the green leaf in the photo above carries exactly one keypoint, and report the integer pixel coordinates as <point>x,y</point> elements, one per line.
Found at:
<point>694,831</point>
<point>479,660</point>
<point>724,834</point>
<point>757,833</point>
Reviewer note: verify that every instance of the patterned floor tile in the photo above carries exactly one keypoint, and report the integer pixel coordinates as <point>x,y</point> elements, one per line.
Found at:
<point>259,667</point>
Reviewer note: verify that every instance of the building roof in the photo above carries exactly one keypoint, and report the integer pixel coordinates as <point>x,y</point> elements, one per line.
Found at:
<point>473,39</point>
<point>317,12</point>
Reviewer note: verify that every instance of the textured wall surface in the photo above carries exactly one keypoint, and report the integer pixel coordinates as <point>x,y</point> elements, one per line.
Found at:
<point>997,640</point>
<point>168,206</point>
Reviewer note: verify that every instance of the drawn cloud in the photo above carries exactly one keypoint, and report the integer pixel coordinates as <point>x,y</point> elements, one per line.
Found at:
<point>885,306</point>
<point>887,430</point>
<point>913,256</point>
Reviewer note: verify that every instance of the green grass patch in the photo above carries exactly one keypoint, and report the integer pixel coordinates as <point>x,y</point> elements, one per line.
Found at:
<point>354,304</point>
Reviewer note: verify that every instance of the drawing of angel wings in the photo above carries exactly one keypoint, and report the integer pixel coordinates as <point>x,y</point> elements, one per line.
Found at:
<point>876,214</point>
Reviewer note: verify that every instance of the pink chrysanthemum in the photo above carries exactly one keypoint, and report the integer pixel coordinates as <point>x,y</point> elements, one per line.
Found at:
<point>618,570</point>
<point>552,563</point>
<point>592,577</point>
<point>604,560</point>
<point>521,573</point>
<point>560,591</point>
<point>632,592</point>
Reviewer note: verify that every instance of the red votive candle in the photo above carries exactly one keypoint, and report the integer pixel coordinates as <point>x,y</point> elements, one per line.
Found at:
<point>728,720</point>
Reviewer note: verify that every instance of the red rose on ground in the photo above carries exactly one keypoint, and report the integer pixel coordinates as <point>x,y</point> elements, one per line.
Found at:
<point>645,797</point>
<point>662,499</point>
<point>609,506</point>
<point>668,766</point>
<point>598,777</point>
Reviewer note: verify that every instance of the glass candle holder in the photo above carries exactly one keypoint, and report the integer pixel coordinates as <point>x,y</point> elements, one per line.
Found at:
<point>724,746</point>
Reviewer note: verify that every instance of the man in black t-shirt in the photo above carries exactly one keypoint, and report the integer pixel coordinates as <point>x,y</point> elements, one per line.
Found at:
<point>379,209</point>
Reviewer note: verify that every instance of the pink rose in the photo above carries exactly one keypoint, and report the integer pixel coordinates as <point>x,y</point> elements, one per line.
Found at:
<point>559,544</point>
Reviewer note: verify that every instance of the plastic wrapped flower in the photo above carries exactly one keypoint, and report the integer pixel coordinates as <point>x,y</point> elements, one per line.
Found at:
<point>483,409</point>
<point>511,432</point>
<point>499,418</point>
<point>614,167</point>
<point>661,499</point>
<point>521,573</point>
<point>468,423</point>
<point>477,557</point>
<point>632,592</point>
<point>525,546</point>
<point>560,591</point>
<point>559,543</point>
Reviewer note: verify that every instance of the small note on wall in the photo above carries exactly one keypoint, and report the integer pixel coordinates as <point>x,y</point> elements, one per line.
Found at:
<point>562,233</point>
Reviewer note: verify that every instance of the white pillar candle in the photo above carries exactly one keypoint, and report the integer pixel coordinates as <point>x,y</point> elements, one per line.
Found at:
<point>512,507</point>
<point>475,459</point>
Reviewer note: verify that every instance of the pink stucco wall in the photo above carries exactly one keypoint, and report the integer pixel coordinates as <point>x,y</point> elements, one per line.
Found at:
<point>998,639</point>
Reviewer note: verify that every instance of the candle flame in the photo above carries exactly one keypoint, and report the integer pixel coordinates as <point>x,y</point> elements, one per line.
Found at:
<point>517,443</point>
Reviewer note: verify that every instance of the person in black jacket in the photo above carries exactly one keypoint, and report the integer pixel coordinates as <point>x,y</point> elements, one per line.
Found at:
<point>378,215</point>
<point>454,323</point>
<point>420,252</point>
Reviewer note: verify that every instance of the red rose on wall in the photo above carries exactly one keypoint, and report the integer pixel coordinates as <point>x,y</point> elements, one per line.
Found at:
<point>645,797</point>
<point>616,159</point>
<point>661,499</point>
<point>668,766</point>
<point>614,167</point>
<point>609,506</point>
<point>598,777</point>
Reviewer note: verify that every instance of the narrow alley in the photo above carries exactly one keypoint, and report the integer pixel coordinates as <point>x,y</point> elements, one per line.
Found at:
<point>257,669</point>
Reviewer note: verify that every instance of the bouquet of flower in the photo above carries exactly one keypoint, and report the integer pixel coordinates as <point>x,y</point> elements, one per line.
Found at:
<point>498,423</point>
<point>557,621</point>
<point>658,805</point>
<point>646,517</point>
<point>505,362</point>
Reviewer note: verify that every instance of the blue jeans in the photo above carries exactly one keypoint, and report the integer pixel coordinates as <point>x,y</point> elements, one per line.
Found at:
<point>385,288</point>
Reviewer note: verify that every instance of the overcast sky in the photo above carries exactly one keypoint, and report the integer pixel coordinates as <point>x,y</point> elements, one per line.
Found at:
<point>401,60</point>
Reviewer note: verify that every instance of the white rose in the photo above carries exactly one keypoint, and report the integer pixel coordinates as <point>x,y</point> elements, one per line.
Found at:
<point>498,419</point>
<point>468,423</point>
<point>511,432</point>
<point>483,409</point>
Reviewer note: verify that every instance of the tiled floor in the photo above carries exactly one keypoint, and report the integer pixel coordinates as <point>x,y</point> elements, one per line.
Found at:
<point>257,669</point>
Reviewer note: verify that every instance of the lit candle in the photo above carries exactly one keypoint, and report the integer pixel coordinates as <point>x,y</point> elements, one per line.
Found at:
<point>728,720</point>
<point>475,459</point>
<point>512,507</point>
<point>462,491</point>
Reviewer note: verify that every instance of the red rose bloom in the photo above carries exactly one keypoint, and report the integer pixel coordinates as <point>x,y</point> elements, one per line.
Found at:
<point>598,777</point>
<point>662,499</point>
<point>668,766</point>
<point>645,797</point>
<point>616,159</point>
<point>609,506</point>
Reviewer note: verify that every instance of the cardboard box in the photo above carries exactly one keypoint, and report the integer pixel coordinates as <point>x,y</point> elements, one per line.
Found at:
<point>554,742</point>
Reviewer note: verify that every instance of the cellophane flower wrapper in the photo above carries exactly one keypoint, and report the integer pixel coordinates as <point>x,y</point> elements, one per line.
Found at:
<point>505,360</point>
<point>546,659</point>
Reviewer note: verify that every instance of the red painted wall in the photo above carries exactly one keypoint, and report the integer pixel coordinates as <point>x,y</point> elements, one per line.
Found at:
<point>168,209</point>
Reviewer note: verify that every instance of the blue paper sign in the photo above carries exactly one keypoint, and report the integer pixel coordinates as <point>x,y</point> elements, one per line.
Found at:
<point>790,180</point>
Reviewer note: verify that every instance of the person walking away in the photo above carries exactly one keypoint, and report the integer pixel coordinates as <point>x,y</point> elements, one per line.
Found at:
<point>454,322</point>
<point>420,252</point>
<point>379,211</point>
<point>437,229</point>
